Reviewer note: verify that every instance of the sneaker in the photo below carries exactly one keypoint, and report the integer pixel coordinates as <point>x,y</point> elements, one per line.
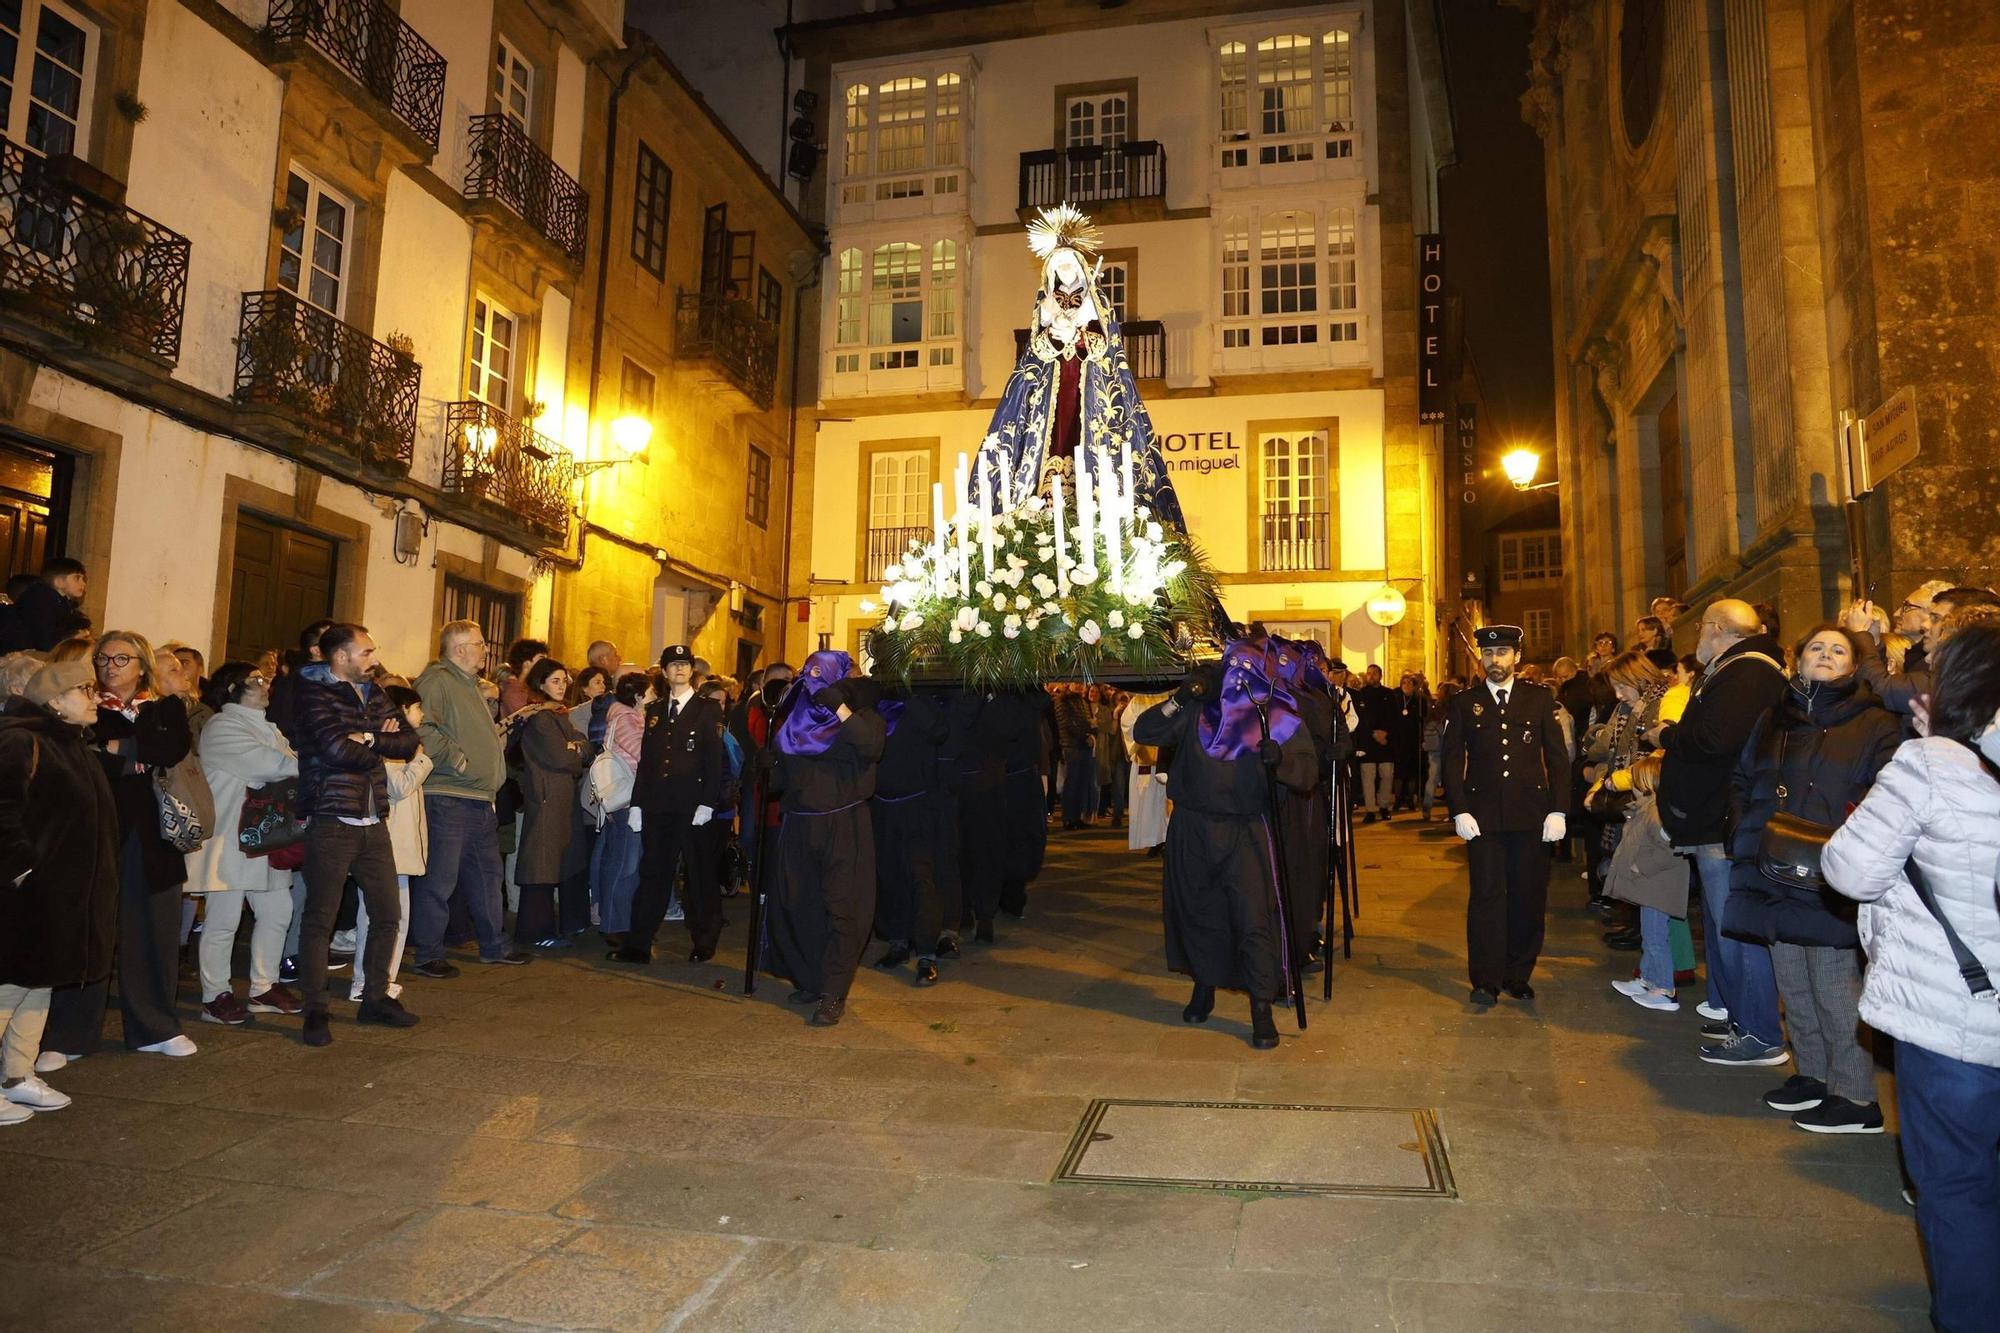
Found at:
<point>342,942</point>
<point>226,1009</point>
<point>1799,1093</point>
<point>36,1095</point>
<point>1648,998</point>
<point>1711,1010</point>
<point>1834,1115</point>
<point>394,992</point>
<point>1629,986</point>
<point>675,913</point>
<point>437,969</point>
<point>1721,1030</point>
<point>1909,1196</point>
<point>10,1114</point>
<point>48,1062</point>
<point>277,1000</point>
<point>389,1013</point>
<point>512,958</point>
<point>1743,1050</point>
<point>179,1047</point>
<point>288,970</point>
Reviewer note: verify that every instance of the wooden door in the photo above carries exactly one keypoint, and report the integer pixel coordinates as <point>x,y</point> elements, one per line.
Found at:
<point>280,581</point>
<point>34,492</point>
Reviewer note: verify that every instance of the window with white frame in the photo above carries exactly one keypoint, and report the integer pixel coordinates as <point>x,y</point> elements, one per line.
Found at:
<point>313,252</point>
<point>1285,97</point>
<point>1097,120</point>
<point>1530,559</point>
<point>495,336</point>
<point>513,84</point>
<point>48,55</point>
<point>1296,519</point>
<point>902,136</point>
<point>1538,628</point>
<point>1116,278</point>
<point>899,505</point>
<point>896,306</point>
<point>1290,277</point>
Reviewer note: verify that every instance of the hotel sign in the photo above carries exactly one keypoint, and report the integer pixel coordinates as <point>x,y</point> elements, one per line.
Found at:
<point>1431,388</point>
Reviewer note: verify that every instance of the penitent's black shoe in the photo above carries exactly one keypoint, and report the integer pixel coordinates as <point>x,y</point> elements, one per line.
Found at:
<point>700,955</point>
<point>927,972</point>
<point>804,997</point>
<point>1484,998</point>
<point>895,956</point>
<point>1520,990</point>
<point>947,947</point>
<point>1263,1032</point>
<point>1200,1005</point>
<point>828,1014</point>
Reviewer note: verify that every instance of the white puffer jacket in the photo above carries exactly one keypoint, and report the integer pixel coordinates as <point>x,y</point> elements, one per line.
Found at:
<point>1934,800</point>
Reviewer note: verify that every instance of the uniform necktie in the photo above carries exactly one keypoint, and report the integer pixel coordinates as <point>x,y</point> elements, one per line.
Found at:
<point>1503,698</point>
<point>673,709</point>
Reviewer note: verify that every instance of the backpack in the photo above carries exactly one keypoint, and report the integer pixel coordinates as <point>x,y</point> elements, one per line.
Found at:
<point>187,806</point>
<point>607,787</point>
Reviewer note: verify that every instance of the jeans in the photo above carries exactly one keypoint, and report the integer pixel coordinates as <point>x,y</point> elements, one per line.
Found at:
<point>614,874</point>
<point>1739,974</point>
<point>333,852</point>
<point>271,910</point>
<point>1378,786</point>
<point>24,1012</point>
<point>1433,779</point>
<point>464,855</point>
<point>1951,1135</point>
<point>1656,954</point>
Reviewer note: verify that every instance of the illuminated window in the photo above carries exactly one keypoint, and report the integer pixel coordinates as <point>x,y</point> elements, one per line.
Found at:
<point>48,52</point>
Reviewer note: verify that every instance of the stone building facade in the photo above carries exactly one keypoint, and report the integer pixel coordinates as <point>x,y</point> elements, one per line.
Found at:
<point>1765,214</point>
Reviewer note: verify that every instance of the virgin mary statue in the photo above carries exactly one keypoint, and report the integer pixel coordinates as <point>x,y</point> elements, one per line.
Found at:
<point>1072,397</point>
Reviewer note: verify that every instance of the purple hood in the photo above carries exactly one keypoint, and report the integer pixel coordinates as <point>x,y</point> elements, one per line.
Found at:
<point>1230,726</point>
<point>809,728</point>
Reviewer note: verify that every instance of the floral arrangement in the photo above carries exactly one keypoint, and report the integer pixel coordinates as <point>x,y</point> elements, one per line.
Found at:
<point>1054,586</point>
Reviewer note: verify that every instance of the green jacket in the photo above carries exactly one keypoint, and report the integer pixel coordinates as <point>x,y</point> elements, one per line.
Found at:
<point>459,735</point>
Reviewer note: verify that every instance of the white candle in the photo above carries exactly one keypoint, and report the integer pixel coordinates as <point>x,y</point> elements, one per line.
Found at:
<point>1114,525</point>
<point>1125,471</point>
<point>937,542</point>
<point>1006,484</point>
<point>1062,552</point>
<point>1086,511</point>
<point>986,521</point>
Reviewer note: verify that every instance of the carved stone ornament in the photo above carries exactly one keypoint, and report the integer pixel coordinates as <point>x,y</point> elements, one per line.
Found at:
<point>1666,276</point>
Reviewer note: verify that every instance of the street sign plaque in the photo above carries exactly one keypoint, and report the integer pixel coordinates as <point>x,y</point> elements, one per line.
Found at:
<point>1889,438</point>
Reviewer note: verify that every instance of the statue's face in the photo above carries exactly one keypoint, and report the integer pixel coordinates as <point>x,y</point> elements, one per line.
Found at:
<point>1066,268</point>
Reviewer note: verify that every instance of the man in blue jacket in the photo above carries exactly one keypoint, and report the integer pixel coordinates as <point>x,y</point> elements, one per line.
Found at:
<point>345,728</point>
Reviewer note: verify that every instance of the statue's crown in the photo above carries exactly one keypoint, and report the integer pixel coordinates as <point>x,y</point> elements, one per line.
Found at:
<point>1063,227</point>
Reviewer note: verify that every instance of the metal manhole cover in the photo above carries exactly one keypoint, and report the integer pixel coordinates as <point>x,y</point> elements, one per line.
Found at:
<point>1288,1147</point>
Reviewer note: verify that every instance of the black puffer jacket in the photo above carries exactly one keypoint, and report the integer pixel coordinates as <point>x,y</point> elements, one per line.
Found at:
<point>1739,687</point>
<point>1821,747</point>
<point>59,829</point>
<point>338,777</point>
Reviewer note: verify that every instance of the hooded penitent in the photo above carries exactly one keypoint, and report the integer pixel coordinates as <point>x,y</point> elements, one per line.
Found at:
<point>1250,704</point>
<point>809,726</point>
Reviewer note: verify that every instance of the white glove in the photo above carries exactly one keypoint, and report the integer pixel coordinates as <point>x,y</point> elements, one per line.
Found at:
<point>1466,826</point>
<point>1555,827</point>
<point>632,819</point>
<point>702,814</point>
<point>1160,778</point>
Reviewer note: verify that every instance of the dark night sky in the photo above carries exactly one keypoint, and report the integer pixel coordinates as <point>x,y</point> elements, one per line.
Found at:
<point>1496,224</point>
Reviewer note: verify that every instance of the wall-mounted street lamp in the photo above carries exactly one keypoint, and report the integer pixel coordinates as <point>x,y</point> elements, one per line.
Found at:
<point>1521,465</point>
<point>629,437</point>
<point>1387,607</point>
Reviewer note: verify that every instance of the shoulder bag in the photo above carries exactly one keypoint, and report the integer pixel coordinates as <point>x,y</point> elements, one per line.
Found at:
<point>1788,849</point>
<point>187,807</point>
<point>270,821</point>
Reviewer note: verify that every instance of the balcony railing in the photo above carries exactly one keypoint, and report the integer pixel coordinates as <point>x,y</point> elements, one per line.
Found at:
<point>887,546</point>
<point>358,393</point>
<point>490,458</point>
<point>369,40</point>
<point>729,333</point>
<point>1296,540</point>
<point>505,165</point>
<point>102,271</point>
<point>1094,175</point>
<point>1145,347</point>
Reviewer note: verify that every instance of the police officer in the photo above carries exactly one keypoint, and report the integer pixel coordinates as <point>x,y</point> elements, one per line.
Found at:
<point>1506,782</point>
<point>682,770</point>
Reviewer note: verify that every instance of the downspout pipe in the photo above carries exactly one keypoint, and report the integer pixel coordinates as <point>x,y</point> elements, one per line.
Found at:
<point>792,440</point>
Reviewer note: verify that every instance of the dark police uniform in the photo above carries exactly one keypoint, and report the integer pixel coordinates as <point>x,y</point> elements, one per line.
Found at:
<point>1506,765</point>
<point>682,765</point>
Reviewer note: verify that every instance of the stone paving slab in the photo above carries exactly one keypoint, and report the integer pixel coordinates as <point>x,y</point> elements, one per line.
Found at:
<point>575,1144</point>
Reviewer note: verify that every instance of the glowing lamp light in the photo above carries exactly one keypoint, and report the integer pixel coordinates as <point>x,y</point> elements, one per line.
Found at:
<point>631,434</point>
<point>480,439</point>
<point>1386,608</point>
<point>1520,465</point>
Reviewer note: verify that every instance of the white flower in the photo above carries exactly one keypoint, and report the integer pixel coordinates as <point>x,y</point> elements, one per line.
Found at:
<point>1045,585</point>
<point>1090,633</point>
<point>1083,574</point>
<point>956,637</point>
<point>1137,597</point>
<point>1016,563</point>
<point>1049,608</point>
<point>1011,631</point>
<point>1012,621</point>
<point>966,618</point>
<point>1137,631</point>
<point>1045,553</point>
<point>1022,601</point>
<point>868,607</point>
<point>1172,569</point>
<point>893,573</point>
<point>999,601</point>
<point>1012,578</point>
<point>948,589</point>
<point>983,588</point>
<point>1032,623</point>
<point>1035,504</point>
<point>984,629</point>
<point>1116,620</point>
<point>913,621</point>
<point>1154,532</point>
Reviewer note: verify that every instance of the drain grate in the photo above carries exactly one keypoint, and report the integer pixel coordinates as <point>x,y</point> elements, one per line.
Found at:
<point>1280,1147</point>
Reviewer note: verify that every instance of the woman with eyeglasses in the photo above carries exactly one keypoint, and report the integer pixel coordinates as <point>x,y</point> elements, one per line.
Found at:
<point>142,725</point>
<point>241,748</point>
<point>554,755</point>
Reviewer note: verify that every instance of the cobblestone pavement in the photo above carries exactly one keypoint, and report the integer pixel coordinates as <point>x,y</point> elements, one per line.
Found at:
<point>575,1145</point>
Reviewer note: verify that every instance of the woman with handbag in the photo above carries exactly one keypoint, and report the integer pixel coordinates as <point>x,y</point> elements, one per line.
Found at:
<point>1645,872</point>
<point>554,755</point>
<point>141,729</point>
<point>614,861</point>
<point>1807,764</point>
<point>1637,686</point>
<point>1920,854</point>
<point>242,749</point>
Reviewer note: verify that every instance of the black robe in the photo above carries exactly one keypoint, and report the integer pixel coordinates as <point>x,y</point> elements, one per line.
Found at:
<point>823,902</point>
<point>1305,821</point>
<point>1026,808</point>
<point>982,729</point>
<point>1219,899</point>
<point>909,801</point>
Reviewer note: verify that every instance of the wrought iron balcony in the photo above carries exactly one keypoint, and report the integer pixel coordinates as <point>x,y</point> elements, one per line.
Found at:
<point>729,334</point>
<point>1296,540</point>
<point>1094,175</point>
<point>505,165</point>
<point>98,271</point>
<point>1145,347</point>
<point>887,546</point>
<point>370,41</point>
<point>494,460</point>
<point>357,396</point>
